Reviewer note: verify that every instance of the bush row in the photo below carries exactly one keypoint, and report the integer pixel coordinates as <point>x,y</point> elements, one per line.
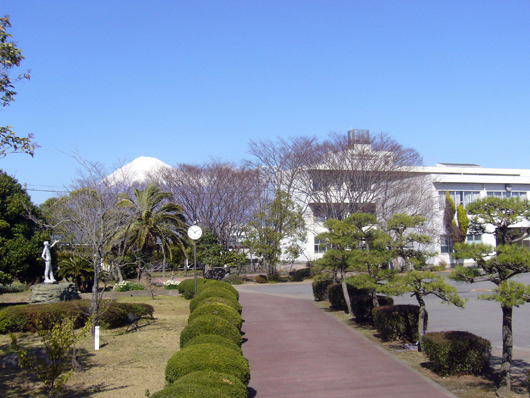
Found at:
<point>449,353</point>
<point>25,318</point>
<point>210,363</point>
<point>300,274</point>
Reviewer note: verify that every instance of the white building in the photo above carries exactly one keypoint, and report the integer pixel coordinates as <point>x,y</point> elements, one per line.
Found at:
<point>465,183</point>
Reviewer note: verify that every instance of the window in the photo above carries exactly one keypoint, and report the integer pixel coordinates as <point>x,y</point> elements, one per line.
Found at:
<point>319,218</point>
<point>459,197</point>
<point>507,194</point>
<point>320,246</point>
<point>445,244</point>
<point>473,239</point>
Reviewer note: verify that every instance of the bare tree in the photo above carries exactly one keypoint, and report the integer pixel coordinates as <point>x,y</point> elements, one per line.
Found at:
<point>365,173</point>
<point>221,196</point>
<point>283,162</point>
<point>88,222</point>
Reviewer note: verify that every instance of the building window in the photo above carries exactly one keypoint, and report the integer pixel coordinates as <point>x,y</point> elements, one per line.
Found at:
<point>319,218</point>
<point>507,194</point>
<point>321,246</point>
<point>473,239</point>
<point>445,244</point>
<point>459,197</point>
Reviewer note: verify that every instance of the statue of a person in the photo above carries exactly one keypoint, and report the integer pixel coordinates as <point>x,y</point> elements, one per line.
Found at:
<point>47,256</point>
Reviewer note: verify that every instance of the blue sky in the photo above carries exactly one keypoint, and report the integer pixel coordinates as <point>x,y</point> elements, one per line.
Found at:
<point>184,81</point>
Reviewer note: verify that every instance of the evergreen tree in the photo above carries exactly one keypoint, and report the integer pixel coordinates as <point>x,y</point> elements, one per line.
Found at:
<point>20,237</point>
<point>500,264</point>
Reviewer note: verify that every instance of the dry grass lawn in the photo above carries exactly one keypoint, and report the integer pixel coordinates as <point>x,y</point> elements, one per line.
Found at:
<point>126,365</point>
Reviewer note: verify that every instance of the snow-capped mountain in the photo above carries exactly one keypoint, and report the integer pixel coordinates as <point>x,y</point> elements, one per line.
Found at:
<point>138,171</point>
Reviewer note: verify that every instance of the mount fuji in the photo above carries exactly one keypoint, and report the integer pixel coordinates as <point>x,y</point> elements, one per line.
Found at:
<point>139,171</point>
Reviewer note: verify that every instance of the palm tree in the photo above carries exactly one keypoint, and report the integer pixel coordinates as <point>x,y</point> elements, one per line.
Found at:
<point>80,271</point>
<point>156,221</point>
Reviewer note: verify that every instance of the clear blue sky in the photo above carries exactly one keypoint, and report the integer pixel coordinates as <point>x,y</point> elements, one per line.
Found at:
<point>184,81</point>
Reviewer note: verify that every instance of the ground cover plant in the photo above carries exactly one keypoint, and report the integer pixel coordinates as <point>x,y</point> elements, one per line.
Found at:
<point>126,365</point>
<point>127,286</point>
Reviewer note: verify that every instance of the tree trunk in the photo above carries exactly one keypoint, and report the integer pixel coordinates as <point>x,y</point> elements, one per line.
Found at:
<point>94,303</point>
<point>421,320</point>
<point>347,297</point>
<point>375,301</point>
<point>163,263</point>
<point>505,384</point>
<point>120,276</point>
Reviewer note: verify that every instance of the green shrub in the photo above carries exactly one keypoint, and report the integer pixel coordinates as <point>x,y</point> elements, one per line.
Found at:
<point>15,287</point>
<point>207,324</point>
<point>189,291</point>
<point>261,279</point>
<point>204,357</point>
<point>24,318</point>
<point>218,309</point>
<point>362,306</point>
<point>398,322</point>
<point>213,339</point>
<point>336,295</point>
<point>212,283</point>
<point>299,274</point>
<point>234,279</point>
<point>226,383</point>
<point>139,309</point>
<point>456,353</point>
<point>208,293</point>
<point>183,285</point>
<point>320,288</point>
<point>126,286</point>
<point>206,300</point>
<point>189,391</point>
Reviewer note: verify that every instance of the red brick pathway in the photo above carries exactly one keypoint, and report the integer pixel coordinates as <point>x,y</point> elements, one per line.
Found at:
<point>296,350</point>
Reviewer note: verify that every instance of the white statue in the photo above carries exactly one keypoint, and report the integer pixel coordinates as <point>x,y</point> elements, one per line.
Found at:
<point>47,256</point>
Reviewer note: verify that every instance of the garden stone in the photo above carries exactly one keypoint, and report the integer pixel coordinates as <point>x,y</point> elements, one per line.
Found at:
<point>53,293</point>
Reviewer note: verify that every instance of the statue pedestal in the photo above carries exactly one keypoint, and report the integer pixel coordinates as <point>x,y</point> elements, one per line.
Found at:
<point>53,293</point>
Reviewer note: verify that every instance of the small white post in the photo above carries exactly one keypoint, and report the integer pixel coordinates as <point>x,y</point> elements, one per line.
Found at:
<point>96,338</point>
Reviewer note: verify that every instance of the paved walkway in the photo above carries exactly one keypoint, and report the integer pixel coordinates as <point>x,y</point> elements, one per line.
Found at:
<point>296,350</point>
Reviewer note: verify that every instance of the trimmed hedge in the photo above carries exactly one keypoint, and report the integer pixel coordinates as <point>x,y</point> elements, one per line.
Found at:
<point>300,274</point>
<point>183,285</point>
<point>320,288</point>
<point>189,288</point>
<point>189,391</point>
<point>207,324</point>
<point>213,339</point>
<point>217,293</point>
<point>231,303</point>
<point>336,295</point>
<point>226,383</point>
<point>217,284</point>
<point>456,353</point>
<point>398,322</point>
<point>362,306</point>
<point>207,357</point>
<point>24,318</point>
<point>218,309</point>
<point>261,279</point>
